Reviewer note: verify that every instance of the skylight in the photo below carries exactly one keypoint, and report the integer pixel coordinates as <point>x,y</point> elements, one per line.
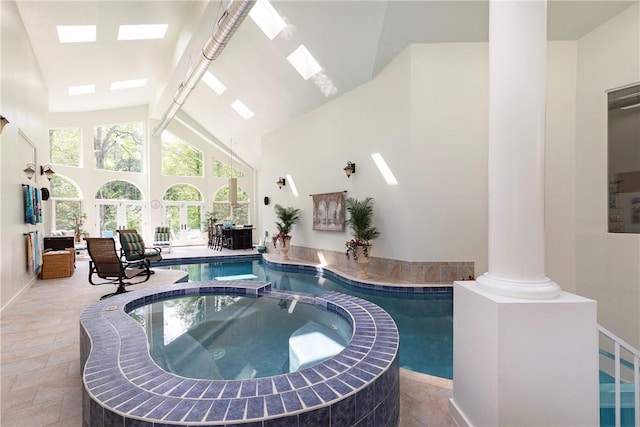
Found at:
<point>128,84</point>
<point>142,32</point>
<point>215,84</point>
<point>384,169</point>
<point>266,17</point>
<point>81,90</point>
<point>76,33</point>
<point>242,109</point>
<point>304,63</point>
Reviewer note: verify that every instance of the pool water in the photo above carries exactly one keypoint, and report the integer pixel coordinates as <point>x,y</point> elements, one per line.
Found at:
<point>232,337</point>
<point>425,322</point>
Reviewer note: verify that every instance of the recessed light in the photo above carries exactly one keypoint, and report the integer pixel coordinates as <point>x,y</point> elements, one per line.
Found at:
<point>267,18</point>
<point>128,84</point>
<point>304,62</point>
<point>81,90</point>
<point>142,32</point>
<point>242,109</point>
<point>76,33</point>
<point>215,84</point>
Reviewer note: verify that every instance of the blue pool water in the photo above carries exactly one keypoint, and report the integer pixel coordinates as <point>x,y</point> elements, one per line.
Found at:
<point>231,337</point>
<point>425,322</point>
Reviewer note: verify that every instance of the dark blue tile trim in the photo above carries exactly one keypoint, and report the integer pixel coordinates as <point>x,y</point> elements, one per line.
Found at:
<point>121,381</point>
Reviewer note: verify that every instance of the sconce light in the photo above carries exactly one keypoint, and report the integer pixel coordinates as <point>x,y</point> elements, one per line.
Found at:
<point>350,169</point>
<point>281,182</point>
<point>47,171</point>
<point>3,122</point>
<point>30,170</point>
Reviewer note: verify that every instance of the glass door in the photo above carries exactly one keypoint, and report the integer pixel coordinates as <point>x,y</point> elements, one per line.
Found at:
<point>185,220</point>
<point>113,215</point>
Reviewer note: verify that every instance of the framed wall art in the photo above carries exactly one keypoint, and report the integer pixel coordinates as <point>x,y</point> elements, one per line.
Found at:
<point>328,211</point>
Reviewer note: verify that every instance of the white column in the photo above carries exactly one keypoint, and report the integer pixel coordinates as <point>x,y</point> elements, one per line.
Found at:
<point>517,87</point>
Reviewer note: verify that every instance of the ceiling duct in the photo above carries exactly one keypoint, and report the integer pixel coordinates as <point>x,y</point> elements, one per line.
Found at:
<point>227,26</point>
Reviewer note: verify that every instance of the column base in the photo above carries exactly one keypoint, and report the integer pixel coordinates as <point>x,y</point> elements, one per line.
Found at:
<point>541,290</point>
<point>519,362</point>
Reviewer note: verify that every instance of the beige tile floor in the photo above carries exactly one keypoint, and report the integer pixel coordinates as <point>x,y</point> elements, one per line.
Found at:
<point>40,381</point>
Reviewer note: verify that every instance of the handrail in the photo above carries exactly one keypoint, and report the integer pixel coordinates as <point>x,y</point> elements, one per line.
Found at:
<point>618,344</point>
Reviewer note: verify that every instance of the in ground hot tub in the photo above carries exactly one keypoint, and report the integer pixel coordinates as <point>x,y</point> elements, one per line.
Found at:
<point>123,385</point>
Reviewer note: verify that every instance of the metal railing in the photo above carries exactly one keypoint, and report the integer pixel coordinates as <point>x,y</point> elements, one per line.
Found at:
<point>618,363</point>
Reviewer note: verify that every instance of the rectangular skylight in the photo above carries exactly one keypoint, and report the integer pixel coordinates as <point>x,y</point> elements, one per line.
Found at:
<point>215,84</point>
<point>304,62</point>
<point>384,169</point>
<point>81,90</point>
<point>128,84</point>
<point>267,18</point>
<point>142,32</point>
<point>76,33</point>
<point>242,109</point>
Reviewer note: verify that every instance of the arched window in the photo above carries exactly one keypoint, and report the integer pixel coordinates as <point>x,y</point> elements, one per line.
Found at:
<point>67,204</point>
<point>182,193</point>
<point>180,158</point>
<point>119,205</point>
<point>224,211</point>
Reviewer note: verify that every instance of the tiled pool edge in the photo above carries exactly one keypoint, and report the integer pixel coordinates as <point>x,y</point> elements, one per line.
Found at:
<point>443,289</point>
<point>122,385</point>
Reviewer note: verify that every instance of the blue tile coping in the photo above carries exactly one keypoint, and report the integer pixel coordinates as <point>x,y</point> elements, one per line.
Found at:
<point>122,386</point>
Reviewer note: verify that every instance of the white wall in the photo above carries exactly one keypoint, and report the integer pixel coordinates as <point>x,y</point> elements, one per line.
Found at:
<point>24,104</point>
<point>607,265</point>
<point>315,148</point>
<point>449,110</point>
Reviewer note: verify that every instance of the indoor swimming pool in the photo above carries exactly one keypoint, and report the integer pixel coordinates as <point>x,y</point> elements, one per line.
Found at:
<point>424,320</point>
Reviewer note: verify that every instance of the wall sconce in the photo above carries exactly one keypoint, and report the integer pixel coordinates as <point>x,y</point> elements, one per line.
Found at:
<point>350,169</point>
<point>30,170</point>
<point>3,122</point>
<point>47,171</point>
<point>281,182</point>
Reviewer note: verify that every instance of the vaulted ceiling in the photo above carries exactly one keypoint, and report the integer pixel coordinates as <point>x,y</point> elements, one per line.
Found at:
<point>352,41</point>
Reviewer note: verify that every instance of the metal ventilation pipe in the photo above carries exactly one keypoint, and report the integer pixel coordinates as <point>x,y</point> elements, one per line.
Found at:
<point>227,26</point>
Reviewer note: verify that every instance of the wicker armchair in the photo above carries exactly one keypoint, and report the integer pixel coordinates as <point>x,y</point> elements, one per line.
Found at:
<point>110,268</point>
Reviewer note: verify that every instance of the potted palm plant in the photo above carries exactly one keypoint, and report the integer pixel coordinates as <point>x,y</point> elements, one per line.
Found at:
<point>360,221</point>
<point>287,217</point>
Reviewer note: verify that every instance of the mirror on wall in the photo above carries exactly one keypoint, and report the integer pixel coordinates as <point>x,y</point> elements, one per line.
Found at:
<point>623,106</point>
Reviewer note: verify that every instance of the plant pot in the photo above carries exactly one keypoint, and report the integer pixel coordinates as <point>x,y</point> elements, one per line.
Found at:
<point>261,249</point>
<point>363,260</point>
<point>284,249</point>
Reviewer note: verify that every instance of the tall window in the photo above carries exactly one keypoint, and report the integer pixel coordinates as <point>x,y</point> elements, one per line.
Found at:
<point>119,147</point>
<point>180,158</point>
<point>65,146</point>
<point>223,170</point>
<point>224,211</point>
<point>67,208</point>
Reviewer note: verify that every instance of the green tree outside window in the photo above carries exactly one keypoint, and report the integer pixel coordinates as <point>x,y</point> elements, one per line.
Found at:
<point>64,145</point>
<point>119,147</point>
<point>180,158</point>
